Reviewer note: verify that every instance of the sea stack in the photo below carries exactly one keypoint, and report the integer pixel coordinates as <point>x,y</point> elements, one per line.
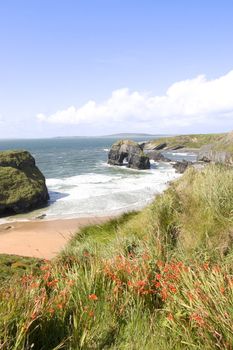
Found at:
<point>130,152</point>
<point>22,185</point>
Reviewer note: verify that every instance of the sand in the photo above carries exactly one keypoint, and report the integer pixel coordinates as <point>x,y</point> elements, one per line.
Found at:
<point>41,239</point>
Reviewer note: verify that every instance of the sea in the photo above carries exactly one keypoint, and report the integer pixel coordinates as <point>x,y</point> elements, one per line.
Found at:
<point>82,184</point>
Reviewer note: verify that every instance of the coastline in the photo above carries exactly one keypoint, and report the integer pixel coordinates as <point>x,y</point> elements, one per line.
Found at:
<point>42,239</point>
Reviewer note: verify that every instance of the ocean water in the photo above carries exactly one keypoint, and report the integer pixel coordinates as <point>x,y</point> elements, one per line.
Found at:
<point>82,184</point>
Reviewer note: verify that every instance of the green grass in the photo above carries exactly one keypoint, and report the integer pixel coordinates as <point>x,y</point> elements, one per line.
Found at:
<point>16,157</point>
<point>188,141</point>
<point>14,265</point>
<point>161,278</point>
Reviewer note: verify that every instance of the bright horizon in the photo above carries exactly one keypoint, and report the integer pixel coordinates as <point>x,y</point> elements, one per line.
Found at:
<point>93,68</point>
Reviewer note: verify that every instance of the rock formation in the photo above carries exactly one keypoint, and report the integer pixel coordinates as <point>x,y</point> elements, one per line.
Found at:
<point>129,151</point>
<point>22,185</point>
<point>218,152</point>
<point>182,166</point>
<point>157,156</point>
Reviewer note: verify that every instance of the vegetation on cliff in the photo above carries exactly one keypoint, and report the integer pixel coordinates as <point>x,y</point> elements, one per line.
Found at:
<point>185,141</point>
<point>158,279</point>
<point>22,185</point>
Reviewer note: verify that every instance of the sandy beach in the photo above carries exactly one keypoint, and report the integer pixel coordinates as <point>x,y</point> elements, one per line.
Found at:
<point>41,239</point>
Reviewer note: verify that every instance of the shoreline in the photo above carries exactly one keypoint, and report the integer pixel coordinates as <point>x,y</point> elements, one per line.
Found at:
<point>42,239</point>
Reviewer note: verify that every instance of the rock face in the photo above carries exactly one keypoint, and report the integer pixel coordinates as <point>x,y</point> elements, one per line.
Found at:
<point>208,154</point>
<point>157,156</point>
<point>218,152</point>
<point>22,185</point>
<point>182,166</point>
<point>129,151</point>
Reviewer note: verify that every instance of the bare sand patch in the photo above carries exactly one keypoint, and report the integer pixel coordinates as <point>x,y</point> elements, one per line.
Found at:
<point>41,239</point>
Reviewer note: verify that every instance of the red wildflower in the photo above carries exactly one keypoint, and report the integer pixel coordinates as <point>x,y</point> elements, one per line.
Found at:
<point>222,290</point>
<point>206,266</point>
<point>190,296</point>
<point>170,317</point>
<point>130,284</point>
<point>164,294</point>
<point>157,284</point>
<point>198,319</point>
<point>45,267</point>
<point>52,283</point>
<point>172,288</point>
<point>33,315</point>
<point>140,283</point>
<point>93,297</point>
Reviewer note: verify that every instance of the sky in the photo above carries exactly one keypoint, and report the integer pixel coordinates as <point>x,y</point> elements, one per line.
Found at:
<point>97,67</point>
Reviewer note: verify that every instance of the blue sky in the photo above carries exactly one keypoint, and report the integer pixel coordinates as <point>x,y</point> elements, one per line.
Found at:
<point>101,66</point>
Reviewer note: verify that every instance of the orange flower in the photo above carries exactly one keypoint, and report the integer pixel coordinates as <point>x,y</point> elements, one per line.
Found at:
<point>91,313</point>
<point>33,315</point>
<point>60,306</point>
<point>170,317</point>
<point>190,296</point>
<point>93,297</point>
<point>52,283</point>
<point>172,288</point>
<point>198,319</point>
<point>164,294</point>
<point>206,266</point>
<point>222,290</point>
<point>140,283</point>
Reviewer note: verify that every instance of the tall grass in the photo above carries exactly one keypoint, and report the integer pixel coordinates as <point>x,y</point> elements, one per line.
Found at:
<point>157,279</point>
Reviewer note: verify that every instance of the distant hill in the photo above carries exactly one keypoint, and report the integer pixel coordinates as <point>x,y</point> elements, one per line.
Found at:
<point>130,135</point>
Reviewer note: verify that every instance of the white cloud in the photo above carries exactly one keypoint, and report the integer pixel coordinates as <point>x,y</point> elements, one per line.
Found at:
<point>185,103</point>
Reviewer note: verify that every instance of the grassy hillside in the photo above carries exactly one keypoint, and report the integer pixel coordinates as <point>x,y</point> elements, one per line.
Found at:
<point>187,141</point>
<point>161,278</point>
<point>13,265</point>
<point>225,143</point>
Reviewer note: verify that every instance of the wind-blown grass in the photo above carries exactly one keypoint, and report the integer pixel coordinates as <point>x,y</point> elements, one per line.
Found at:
<point>158,279</point>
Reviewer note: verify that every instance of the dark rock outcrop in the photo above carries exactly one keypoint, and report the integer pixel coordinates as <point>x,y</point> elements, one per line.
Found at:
<point>157,156</point>
<point>129,151</point>
<point>160,146</point>
<point>182,166</point>
<point>22,185</point>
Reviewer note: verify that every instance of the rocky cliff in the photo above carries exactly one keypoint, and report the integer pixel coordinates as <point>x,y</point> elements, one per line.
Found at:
<point>129,152</point>
<point>22,185</point>
<point>220,151</point>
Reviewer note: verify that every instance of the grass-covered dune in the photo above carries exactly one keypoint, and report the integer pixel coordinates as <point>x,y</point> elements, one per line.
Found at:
<point>161,278</point>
